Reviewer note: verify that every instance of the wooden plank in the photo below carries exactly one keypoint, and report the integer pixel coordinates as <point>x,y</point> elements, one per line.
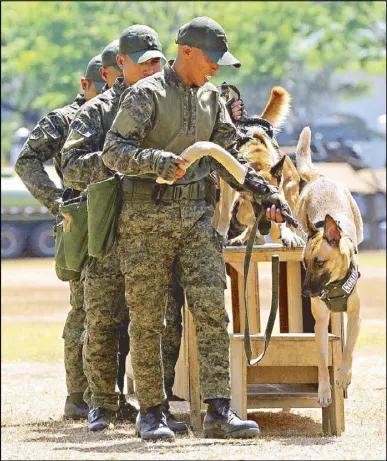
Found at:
<point>267,375</point>
<point>336,408</point>
<point>233,274</point>
<point>294,297</point>
<point>194,380</point>
<point>283,299</point>
<point>238,371</point>
<point>181,384</point>
<point>263,253</point>
<point>286,402</point>
<point>252,300</point>
<point>285,350</point>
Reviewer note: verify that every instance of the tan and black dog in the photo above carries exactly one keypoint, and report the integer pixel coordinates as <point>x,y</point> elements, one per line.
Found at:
<point>265,157</point>
<point>329,213</point>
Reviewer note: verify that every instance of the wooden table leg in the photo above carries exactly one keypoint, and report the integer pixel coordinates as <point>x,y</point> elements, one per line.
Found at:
<point>194,379</point>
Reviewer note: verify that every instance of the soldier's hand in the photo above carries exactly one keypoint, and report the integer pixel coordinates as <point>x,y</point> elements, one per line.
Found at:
<point>169,166</point>
<point>277,208</point>
<point>237,108</point>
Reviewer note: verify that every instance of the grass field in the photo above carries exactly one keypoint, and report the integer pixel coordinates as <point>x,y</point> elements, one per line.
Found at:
<point>34,306</point>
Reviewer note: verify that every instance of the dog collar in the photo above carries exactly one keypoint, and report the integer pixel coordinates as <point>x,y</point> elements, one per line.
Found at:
<point>335,295</point>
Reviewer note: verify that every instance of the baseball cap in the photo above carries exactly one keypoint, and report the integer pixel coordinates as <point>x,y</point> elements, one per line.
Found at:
<point>206,34</point>
<point>140,43</point>
<point>109,55</point>
<point>92,72</point>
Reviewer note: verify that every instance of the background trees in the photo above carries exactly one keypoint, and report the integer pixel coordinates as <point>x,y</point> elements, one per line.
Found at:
<point>45,47</point>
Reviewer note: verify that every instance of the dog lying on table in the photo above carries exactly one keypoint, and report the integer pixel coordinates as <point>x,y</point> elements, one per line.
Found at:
<point>263,154</point>
<point>329,213</point>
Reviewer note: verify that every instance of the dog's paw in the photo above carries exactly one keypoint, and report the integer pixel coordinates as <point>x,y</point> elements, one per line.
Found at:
<point>344,377</point>
<point>290,239</point>
<point>236,241</point>
<point>324,394</point>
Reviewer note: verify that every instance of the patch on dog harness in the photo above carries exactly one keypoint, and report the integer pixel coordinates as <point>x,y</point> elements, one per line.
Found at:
<point>335,295</point>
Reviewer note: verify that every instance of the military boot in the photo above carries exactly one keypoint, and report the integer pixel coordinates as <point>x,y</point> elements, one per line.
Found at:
<point>75,407</point>
<point>100,418</point>
<point>221,422</point>
<point>152,425</point>
<point>173,424</point>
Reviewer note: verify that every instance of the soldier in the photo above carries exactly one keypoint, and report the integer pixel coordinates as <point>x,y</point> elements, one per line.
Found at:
<point>44,143</point>
<point>110,70</point>
<point>159,118</point>
<point>139,56</point>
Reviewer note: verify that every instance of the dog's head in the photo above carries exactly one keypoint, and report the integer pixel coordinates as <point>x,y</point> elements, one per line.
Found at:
<point>327,255</point>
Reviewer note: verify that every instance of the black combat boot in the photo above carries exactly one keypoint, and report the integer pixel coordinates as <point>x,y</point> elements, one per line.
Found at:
<point>126,411</point>
<point>173,424</point>
<point>100,418</point>
<point>221,422</point>
<point>152,425</point>
<point>75,407</point>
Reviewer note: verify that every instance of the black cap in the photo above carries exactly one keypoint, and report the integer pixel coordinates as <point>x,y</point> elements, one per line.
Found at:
<point>140,43</point>
<point>209,36</point>
<point>109,55</point>
<point>92,72</point>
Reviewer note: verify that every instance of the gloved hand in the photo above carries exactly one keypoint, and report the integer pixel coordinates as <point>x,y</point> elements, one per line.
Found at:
<point>236,108</point>
<point>168,165</point>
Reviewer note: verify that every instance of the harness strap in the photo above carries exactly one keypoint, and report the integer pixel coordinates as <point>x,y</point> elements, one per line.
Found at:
<point>274,297</point>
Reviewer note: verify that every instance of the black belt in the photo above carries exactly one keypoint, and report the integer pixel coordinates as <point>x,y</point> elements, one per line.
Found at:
<point>146,191</point>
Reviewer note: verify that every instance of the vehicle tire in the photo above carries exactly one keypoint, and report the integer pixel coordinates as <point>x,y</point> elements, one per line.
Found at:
<point>41,240</point>
<point>13,240</point>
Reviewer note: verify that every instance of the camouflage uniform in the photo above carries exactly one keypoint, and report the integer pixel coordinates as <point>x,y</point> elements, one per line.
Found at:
<point>44,143</point>
<point>162,113</point>
<point>82,164</point>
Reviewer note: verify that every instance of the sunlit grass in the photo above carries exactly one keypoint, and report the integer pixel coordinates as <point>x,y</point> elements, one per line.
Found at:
<point>31,342</point>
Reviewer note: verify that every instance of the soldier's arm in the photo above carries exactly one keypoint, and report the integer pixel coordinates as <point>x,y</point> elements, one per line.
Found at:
<point>44,141</point>
<point>226,135</point>
<point>132,123</point>
<point>81,153</point>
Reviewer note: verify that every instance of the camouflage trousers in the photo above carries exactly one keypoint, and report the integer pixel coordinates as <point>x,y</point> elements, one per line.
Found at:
<point>151,238</point>
<point>104,284</point>
<point>76,381</point>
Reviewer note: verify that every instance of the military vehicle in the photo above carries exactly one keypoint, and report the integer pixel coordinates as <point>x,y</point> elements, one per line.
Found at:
<point>26,225</point>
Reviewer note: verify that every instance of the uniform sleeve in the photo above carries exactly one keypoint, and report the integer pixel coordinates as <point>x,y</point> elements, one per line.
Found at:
<point>44,142</point>
<point>226,135</point>
<point>133,122</point>
<point>81,153</point>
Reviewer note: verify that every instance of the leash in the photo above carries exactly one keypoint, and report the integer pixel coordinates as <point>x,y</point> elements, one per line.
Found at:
<point>274,298</point>
<point>274,288</point>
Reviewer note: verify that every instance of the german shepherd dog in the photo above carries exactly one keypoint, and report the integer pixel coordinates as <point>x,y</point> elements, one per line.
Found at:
<point>329,213</point>
<point>264,156</point>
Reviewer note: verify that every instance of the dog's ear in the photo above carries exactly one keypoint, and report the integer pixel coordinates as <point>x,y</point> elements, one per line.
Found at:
<point>332,231</point>
<point>277,168</point>
<point>310,227</point>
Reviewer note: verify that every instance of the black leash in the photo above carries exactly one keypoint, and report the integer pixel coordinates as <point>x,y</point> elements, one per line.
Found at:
<point>274,297</point>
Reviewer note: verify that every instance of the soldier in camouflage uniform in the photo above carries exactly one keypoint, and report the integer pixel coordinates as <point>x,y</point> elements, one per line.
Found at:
<point>82,165</point>
<point>45,143</point>
<point>159,118</point>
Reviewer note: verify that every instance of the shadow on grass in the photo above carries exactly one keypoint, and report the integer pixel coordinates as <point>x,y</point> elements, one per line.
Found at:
<point>288,428</point>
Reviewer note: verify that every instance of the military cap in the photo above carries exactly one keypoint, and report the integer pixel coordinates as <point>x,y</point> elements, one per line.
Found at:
<point>209,36</point>
<point>109,55</point>
<point>92,72</point>
<point>140,43</point>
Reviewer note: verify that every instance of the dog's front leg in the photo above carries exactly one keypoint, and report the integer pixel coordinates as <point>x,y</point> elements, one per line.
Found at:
<point>321,315</point>
<point>353,328</point>
<point>290,238</point>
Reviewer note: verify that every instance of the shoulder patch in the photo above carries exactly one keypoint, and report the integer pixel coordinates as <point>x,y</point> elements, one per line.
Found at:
<point>36,133</point>
<point>49,128</point>
<point>81,128</point>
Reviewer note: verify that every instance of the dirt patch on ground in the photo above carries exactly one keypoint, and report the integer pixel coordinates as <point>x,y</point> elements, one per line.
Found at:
<point>33,392</point>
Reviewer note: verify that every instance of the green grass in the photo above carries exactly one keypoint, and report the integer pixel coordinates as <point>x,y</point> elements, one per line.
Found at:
<point>31,342</point>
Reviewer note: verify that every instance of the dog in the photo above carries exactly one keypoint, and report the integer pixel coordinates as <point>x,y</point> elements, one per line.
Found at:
<point>263,154</point>
<point>329,213</point>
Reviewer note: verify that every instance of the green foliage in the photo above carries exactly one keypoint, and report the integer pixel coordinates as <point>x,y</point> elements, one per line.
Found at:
<point>46,45</point>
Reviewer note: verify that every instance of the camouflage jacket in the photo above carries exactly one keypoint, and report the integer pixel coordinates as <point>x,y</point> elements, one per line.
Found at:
<point>81,159</point>
<point>45,142</point>
<point>162,113</point>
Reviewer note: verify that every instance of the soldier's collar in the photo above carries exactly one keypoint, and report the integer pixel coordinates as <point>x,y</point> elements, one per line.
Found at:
<point>172,77</point>
<point>118,85</point>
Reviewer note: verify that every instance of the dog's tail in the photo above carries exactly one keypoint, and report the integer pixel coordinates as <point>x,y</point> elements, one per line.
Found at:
<point>304,158</point>
<point>278,106</point>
